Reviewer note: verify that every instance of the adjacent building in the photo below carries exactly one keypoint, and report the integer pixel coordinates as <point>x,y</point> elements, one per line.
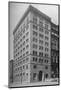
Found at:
<point>54,51</point>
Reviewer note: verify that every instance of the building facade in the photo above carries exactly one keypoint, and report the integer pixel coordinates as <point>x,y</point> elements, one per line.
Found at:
<point>54,51</point>
<point>32,47</point>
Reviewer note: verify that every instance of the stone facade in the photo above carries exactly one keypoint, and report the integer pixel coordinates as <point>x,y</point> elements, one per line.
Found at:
<point>32,47</point>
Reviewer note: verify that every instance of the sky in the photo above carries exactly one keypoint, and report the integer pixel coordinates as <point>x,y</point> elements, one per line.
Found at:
<point>18,9</point>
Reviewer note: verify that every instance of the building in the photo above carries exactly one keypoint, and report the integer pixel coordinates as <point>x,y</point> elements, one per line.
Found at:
<point>32,47</point>
<point>54,51</point>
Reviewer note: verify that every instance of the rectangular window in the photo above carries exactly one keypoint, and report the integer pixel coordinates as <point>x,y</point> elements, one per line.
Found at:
<point>34,52</point>
<point>40,41</point>
<point>27,23</point>
<point>35,19</point>
<point>35,46</point>
<point>34,27</point>
<point>40,29</point>
<point>35,33</point>
<point>46,43</point>
<point>26,66</point>
<point>46,38</point>
<point>27,46</point>
<point>34,76</point>
<point>41,35</point>
<point>46,49</point>
<point>40,54</point>
<point>41,47</point>
<point>35,59</point>
<point>41,23</point>
<point>46,32</point>
<point>34,39</point>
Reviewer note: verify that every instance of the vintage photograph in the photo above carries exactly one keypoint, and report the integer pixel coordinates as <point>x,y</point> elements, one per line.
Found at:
<point>33,44</point>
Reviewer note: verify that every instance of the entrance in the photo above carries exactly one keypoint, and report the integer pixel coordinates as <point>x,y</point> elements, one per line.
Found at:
<point>40,76</point>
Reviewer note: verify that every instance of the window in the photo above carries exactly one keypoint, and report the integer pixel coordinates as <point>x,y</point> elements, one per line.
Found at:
<point>40,41</point>
<point>35,33</point>
<point>46,32</point>
<point>34,66</point>
<point>24,30</point>
<point>24,54</point>
<point>34,39</point>
<point>20,40</point>
<point>41,47</point>
<point>46,43</point>
<point>46,67</point>
<point>27,46</point>
<point>23,67</point>
<point>27,33</point>
<point>24,49</point>
<point>34,27</point>
<point>35,46</point>
<point>35,19</point>
<point>46,26</point>
<point>40,29</point>
<point>46,55</point>
<point>27,52</point>
<point>46,61</point>
<point>27,40</point>
<point>24,43</point>
<point>24,37</point>
<point>46,75</point>
<point>26,66</point>
<point>35,59</point>
<point>34,76</point>
<point>27,23</point>
<point>34,52</point>
<point>23,73</point>
<point>41,35</point>
<point>41,23</point>
<point>46,38</point>
<point>40,60</point>
<point>26,75</point>
<point>46,49</point>
<point>27,59</point>
<point>40,54</point>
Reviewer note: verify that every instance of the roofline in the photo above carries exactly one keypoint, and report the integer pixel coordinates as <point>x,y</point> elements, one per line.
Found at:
<point>31,8</point>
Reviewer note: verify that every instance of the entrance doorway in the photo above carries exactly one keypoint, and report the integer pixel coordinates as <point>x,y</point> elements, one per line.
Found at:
<point>40,76</point>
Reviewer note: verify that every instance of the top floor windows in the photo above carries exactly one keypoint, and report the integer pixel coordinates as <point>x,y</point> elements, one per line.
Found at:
<point>41,23</point>
<point>27,23</point>
<point>35,19</point>
<point>46,25</point>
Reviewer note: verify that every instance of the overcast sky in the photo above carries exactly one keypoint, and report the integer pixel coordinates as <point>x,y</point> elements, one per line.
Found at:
<point>17,10</point>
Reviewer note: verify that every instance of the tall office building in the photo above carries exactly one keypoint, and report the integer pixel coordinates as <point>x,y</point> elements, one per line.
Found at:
<point>54,51</point>
<point>32,47</point>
